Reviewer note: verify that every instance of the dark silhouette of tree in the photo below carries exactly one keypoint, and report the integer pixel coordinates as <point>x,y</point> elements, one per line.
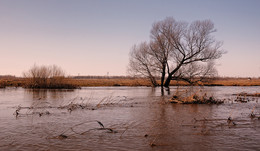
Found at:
<point>177,50</point>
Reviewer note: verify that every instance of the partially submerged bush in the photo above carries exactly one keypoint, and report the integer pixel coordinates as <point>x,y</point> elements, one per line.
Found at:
<point>195,99</point>
<point>49,77</point>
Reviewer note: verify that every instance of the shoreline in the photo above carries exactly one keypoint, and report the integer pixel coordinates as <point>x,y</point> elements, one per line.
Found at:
<point>132,82</point>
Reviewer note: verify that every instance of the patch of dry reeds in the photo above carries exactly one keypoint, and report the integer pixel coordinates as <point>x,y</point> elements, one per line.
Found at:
<point>194,98</point>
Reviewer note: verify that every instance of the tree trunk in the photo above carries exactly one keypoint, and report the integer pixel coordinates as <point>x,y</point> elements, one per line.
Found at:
<point>153,81</point>
<point>168,80</point>
<point>163,76</point>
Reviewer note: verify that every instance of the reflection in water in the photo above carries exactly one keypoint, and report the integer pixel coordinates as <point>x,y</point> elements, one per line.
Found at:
<point>167,89</point>
<point>147,123</point>
<point>38,94</point>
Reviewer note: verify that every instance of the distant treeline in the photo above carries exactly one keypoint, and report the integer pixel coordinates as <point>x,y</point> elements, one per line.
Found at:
<point>103,77</point>
<point>7,77</point>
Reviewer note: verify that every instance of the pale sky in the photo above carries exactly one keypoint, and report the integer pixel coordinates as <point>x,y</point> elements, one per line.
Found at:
<point>93,37</point>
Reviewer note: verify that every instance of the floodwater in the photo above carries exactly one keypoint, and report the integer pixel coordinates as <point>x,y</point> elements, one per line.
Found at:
<point>134,118</point>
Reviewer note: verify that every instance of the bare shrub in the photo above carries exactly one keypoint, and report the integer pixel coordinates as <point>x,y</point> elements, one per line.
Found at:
<point>46,77</point>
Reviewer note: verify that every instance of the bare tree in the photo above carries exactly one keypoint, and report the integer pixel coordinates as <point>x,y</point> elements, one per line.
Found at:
<point>160,48</point>
<point>196,72</point>
<point>193,43</point>
<point>141,62</point>
<point>175,46</point>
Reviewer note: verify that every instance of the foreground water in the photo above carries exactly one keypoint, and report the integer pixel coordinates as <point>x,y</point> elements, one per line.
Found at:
<point>135,118</point>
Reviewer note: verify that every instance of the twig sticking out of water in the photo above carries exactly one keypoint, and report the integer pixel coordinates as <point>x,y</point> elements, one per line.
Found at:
<point>230,120</point>
<point>253,115</point>
<point>16,113</point>
<point>105,100</point>
<point>155,124</point>
<point>101,124</point>
<point>132,125</point>
<point>126,129</point>
<point>152,144</point>
<point>62,136</point>
<point>230,115</point>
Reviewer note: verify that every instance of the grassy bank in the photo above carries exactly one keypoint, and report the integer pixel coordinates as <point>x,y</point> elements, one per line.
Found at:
<point>21,82</point>
<point>14,82</point>
<point>234,82</point>
<point>145,82</point>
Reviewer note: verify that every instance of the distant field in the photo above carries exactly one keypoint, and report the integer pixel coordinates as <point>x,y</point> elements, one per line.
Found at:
<point>145,82</point>
<point>235,82</point>
<point>17,82</point>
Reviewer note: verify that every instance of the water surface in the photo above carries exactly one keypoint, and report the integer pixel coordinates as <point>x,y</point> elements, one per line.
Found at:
<point>138,116</point>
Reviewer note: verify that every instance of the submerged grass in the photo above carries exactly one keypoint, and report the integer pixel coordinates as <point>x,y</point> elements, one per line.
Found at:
<point>43,108</point>
<point>248,94</point>
<point>244,97</point>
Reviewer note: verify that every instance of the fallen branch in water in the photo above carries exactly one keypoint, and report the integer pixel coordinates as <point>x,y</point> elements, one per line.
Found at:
<point>62,135</point>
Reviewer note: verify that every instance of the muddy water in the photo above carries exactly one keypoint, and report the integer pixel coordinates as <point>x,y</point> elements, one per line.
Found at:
<point>138,117</point>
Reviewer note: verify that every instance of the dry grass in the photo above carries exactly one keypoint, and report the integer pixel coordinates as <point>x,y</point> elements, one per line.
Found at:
<point>11,82</point>
<point>110,82</point>
<point>145,82</point>
<point>16,82</point>
<point>23,82</point>
<point>234,82</point>
<point>195,99</point>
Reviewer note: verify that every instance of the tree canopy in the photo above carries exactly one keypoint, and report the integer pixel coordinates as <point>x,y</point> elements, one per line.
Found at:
<point>176,50</point>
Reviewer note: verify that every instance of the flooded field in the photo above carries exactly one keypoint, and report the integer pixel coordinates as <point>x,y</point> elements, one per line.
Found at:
<point>127,118</point>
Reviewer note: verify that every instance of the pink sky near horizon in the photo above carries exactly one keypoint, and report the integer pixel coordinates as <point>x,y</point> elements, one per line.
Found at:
<point>95,37</point>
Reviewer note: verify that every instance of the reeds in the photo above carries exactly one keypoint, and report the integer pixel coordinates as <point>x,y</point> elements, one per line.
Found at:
<point>42,108</point>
